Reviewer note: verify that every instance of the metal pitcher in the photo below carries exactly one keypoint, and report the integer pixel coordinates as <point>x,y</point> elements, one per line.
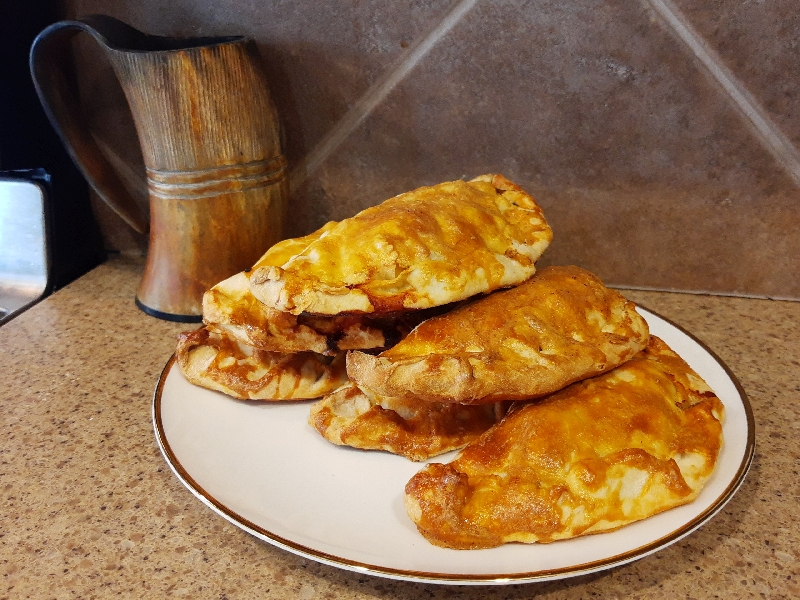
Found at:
<point>210,139</point>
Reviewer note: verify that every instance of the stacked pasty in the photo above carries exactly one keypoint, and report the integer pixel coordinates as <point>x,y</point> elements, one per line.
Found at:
<point>593,457</point>
<point>221,363</point>
<point>415,429</point>
<point>420,321</point>
<point>429,247</point>
<point>560,326</point>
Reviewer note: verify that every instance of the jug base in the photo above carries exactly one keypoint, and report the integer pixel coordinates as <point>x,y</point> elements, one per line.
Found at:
<point>164,316</point>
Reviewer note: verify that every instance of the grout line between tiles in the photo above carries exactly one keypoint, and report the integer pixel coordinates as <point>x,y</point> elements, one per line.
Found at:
<point>767,131</point>
<point>375,95</point>
<point>639,288</point>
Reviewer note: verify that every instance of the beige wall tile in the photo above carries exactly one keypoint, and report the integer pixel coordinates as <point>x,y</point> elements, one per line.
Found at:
<point>646,168</point>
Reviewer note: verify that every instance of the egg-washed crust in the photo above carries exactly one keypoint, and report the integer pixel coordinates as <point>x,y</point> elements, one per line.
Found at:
<point>229,308</point>
<point>217,362</point>
<point>428,247</point>
<point>596,456</point>
<point>560,326</point>
<point>416,430</point>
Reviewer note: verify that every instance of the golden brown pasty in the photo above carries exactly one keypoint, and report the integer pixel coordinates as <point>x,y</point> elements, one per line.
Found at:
<point>230,309</point>
<point>219,363</point>
<point>410,428</point>
<point>560,326</point>
<point>429,247</point>
<point>593,457</point>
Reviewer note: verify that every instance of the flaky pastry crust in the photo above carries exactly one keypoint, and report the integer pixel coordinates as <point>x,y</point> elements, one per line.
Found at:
<point>217,362</point>
<point>558,327</point>
<point>428,247</point>
<point>410,428</point>
<point>593,457</point>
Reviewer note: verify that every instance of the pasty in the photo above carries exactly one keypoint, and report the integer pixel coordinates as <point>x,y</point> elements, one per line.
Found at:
<point>560,326</point>
<point>593,457</point>
<point>429,247</point>
<point>219,363</point>
<point>410,428</point>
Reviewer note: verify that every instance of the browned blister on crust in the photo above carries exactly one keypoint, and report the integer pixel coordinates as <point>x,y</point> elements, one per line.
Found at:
<point>410,428</point>
<point>428,247</point>
<point>220,363</point>
<point>596,456</point>
<point>560,326</point>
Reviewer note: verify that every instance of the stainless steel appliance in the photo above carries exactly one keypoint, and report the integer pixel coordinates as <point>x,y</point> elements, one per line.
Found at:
<point>24,242</point>
<point>48,235</point>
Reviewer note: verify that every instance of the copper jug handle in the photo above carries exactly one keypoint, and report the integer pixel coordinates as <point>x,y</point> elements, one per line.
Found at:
<point>49,64</point>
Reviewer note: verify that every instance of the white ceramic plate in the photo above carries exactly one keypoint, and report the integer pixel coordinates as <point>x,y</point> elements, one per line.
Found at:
<point>265,470</point>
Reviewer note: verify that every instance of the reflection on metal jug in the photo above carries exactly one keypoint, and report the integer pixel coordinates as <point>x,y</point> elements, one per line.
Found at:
<point>210,140</point>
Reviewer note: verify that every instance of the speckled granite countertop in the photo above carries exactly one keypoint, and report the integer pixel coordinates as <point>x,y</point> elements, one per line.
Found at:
<point>91,510</point>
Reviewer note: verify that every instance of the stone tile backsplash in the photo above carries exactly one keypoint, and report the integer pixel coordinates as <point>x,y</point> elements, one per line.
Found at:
<point>658,135</point>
